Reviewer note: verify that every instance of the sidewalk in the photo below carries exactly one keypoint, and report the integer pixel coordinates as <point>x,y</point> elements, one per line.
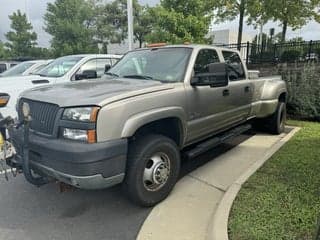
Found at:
<point>189,212</point>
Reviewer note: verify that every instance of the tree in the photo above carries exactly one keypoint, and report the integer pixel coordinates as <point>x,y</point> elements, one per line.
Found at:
<point>143,23</point>
<point>293,13</point>
<point>112,22</point>
<point>3,51</point>
<point>21,40</point>
<point>228,10</point>
<point>258,13</point>
<point>71,24</point>
<point>178,21</point>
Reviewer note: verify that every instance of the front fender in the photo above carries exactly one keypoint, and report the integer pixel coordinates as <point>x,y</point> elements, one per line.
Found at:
<point>137,121</point>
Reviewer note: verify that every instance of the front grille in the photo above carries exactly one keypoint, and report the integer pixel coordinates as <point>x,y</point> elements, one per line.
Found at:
<point>43,115</point>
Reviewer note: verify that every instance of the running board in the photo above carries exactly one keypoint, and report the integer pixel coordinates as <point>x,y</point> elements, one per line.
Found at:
<point>215,141</point>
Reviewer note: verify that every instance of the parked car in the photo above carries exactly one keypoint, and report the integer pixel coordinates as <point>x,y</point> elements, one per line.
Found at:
<point>132,126</point>
<point>26,68</point>
<point>312,57</point>
<point>5,65</point>
<point>64,69</point>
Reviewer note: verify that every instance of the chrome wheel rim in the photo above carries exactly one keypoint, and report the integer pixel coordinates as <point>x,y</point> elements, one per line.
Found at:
<point>156,172</point>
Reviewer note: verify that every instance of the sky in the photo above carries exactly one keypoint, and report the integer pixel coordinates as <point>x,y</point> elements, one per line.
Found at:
<point>35,10</point>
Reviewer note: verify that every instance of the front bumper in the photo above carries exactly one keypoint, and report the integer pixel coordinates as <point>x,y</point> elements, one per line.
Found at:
<point>87,166</point>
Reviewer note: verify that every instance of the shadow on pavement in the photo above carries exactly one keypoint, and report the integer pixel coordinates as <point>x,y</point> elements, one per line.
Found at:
<point>31,213</point>
<point>189,165</point>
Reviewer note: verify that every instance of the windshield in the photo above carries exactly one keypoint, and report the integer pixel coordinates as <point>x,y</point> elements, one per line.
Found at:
<point>18,69</point>
<point>59,67</point>
<point>161,64</point>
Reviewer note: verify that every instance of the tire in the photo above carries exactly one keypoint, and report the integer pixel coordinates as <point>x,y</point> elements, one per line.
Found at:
<point>152,169</point>
<point>276,122</point>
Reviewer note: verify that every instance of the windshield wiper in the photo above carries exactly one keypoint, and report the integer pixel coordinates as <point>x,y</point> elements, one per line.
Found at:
<point>111,74</point>
<point>139,77</point>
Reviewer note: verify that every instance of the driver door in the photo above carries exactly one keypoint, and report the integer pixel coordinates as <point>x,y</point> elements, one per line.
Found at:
<point>206,105</point>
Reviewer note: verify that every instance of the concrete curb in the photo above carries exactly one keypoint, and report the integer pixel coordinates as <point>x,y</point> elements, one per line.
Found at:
<point>218,228</point>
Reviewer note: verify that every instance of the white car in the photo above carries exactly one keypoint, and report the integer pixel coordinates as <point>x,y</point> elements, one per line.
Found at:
<point>64,69</point>
<point>5,65</point>
<point>25,68</point>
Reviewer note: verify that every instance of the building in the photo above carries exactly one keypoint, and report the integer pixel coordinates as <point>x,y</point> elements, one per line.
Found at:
<point>121,48</point>
<point>227,36</point>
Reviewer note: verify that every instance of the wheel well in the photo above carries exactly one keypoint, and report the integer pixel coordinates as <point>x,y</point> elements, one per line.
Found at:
<point>169,127</point>
<point>283,97</point>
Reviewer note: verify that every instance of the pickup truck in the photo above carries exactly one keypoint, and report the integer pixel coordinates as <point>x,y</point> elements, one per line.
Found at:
<point>64,69</point>
<point>133,125</point>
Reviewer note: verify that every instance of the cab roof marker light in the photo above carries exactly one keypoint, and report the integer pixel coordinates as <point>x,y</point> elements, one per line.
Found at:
<point>153,45</point>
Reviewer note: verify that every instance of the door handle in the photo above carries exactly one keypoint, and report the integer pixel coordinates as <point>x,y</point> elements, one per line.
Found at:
<point>226,92</point>
<point>247,89</point>
<point>40,81</point>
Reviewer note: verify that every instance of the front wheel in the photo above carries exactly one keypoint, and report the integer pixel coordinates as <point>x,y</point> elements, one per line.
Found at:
<point>152,170</point>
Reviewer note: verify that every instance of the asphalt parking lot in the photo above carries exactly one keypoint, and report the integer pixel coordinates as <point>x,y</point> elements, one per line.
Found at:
<point>32,213</point>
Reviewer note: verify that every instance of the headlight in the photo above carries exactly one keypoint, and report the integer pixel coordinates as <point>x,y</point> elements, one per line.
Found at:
<point>26,110</point>
<point>81,114</point>
<point>88,136</point>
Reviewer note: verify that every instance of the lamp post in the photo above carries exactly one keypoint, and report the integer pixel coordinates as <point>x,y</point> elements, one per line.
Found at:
<point>130,23</point>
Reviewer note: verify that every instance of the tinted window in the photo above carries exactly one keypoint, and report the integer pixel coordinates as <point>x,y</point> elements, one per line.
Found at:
<point>204,59</point>
<point>235,68</point>
<point>3,67</point>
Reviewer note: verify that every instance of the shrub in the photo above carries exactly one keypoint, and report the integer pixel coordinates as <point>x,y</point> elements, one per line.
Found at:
<point>304,91</point>
<point>290,55</point>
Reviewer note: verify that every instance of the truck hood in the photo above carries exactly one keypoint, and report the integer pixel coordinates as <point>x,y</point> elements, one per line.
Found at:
<point>93,92</point>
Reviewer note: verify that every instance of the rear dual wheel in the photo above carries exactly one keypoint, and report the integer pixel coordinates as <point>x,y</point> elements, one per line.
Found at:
<point>152,170</point>
<point>275,123</point>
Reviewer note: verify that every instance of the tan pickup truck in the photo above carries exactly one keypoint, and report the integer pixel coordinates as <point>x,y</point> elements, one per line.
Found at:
<point>132,125</point>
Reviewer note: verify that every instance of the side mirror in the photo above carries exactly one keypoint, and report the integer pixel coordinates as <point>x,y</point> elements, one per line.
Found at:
<point>4,99</point>
<point>107,67</point>
<point>217,76</point>
<point>87,74</point>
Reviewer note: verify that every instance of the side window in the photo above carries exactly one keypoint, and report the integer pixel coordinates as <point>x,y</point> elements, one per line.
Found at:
<point>97,65</point>
<point>204,59</point>
<point>3,67</point>
<point>101,65</point>
<point>235,68</point>
<point>114,61</point>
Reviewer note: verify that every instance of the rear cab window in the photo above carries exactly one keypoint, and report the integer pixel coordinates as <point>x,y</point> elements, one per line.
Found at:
<point>235,66</point>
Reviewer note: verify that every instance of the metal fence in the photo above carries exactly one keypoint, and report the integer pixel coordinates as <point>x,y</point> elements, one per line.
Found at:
<point>278,52</point>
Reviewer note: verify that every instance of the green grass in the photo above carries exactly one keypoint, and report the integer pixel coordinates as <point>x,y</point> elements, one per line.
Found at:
<point>282,200</point>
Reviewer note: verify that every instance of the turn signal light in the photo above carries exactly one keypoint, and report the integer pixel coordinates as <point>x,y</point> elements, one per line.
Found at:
<point>4,99</point>
<point>92,136</point>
